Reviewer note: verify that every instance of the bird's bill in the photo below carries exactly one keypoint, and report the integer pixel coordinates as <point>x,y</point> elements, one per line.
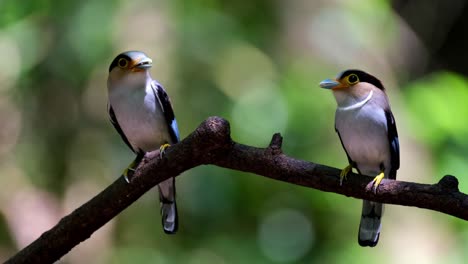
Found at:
<point>143,64</point>
<point>331,84</point>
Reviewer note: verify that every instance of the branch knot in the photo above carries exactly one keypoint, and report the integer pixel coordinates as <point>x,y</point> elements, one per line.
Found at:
<point>449,183</point>
<point>275,145</point>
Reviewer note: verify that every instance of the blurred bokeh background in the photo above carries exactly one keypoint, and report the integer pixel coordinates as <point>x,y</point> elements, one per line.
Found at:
<point>258,64</point>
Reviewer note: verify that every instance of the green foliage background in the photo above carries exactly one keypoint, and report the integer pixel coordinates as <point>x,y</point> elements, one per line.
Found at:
<point>255,63</point>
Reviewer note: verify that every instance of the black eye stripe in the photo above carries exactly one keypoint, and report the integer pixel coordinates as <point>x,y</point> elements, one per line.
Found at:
<point>116,61</point>
<point>362,77</point>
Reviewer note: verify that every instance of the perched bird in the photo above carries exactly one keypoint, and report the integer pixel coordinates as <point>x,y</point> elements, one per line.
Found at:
<point>141,112</point>
<point>368,134</point>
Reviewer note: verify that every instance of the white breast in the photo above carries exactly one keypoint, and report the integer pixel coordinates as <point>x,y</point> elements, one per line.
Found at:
<point>140,117</point>
<point>364,135</point>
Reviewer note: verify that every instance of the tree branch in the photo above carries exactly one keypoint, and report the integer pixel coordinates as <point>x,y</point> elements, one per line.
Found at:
<point>211,143</point>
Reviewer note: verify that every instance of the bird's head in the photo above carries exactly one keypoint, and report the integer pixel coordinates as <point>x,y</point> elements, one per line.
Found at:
<point>129,65</point>
<point>352,85</point>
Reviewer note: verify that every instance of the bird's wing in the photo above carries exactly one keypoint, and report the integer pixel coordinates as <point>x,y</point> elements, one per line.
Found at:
<point>166,107</point>
<point>114,122</point>
<point>394,144</point>
<point>351,162</point>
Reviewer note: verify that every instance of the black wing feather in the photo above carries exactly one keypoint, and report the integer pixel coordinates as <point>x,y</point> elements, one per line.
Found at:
<point>114,122</point>
<point>166,107</point>
<point>394,144</point>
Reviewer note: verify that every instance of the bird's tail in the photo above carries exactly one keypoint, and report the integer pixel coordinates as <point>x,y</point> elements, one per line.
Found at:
<point>168,206</point>
<point>369,228</point>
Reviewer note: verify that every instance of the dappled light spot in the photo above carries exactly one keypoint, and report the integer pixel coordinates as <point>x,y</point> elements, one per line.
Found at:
<point>9,68</point>
<point>241,68</point>
<point>10,117</point>
<point>342,35</point>
<point>442,97</point>
<point>285,235</point>
<point>204,195</point>
<point>29,213</point>
<point>154,34</point>
<point>258,114</point>
<point>25,43</point>
<point>89,27</point>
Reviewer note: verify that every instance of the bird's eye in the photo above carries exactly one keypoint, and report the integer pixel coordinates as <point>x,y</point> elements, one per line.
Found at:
<point>123,63</point>
<point>352,79</point>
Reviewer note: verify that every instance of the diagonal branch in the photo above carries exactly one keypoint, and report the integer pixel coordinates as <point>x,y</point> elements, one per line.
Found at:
<point>211,143</point>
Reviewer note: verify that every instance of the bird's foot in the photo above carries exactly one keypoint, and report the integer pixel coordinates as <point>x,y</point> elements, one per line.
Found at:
<point>162,149</point>
<point>128,172</point>
<point>377,181</point>
<point>344,173</point>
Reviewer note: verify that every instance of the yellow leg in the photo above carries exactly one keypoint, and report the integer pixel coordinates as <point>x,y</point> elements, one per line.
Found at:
<point>128,172</point>
<point>377,181</point>
<point>162,149</point>
<point>344,173</point>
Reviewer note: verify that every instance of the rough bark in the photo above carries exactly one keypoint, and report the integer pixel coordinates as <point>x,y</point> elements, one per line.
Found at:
<point>211,143</point>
